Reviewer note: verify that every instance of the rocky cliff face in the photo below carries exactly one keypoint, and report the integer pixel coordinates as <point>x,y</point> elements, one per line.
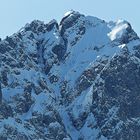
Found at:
<point>77,80</point>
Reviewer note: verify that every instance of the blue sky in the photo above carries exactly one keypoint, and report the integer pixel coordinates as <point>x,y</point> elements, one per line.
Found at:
<point>14,14</point>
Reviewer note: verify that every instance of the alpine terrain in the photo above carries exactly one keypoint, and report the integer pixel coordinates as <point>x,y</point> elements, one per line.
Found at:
<point>74,80</point>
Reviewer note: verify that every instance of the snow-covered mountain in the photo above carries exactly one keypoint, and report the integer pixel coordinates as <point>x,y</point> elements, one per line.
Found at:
<point>77,80</point>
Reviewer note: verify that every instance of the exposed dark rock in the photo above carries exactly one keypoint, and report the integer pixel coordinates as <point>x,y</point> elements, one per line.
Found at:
<point>5,110</point>
<point>23,103</point>
<point>0,94</point>
<point>51,25</point>
<point>69,21</point>
<point>60,51</point>
<point>70,81</point>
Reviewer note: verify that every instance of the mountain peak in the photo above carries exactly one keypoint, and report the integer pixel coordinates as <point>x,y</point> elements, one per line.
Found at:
<point>69,12</point>
<point>79,79</point>
<point>70,15</point>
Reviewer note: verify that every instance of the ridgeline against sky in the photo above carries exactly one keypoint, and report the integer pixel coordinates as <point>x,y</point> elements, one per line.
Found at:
<point>16,13</point>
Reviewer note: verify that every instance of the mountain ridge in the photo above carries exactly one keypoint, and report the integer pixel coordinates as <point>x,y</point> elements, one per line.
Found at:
<point>68,81</point>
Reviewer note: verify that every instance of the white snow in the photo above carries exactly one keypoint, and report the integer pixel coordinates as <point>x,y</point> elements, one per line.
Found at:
<point>68,13</point>
<point>98,42</point>
<point>8,93</point>
<point>82,103</point>
<point>118,30</point>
